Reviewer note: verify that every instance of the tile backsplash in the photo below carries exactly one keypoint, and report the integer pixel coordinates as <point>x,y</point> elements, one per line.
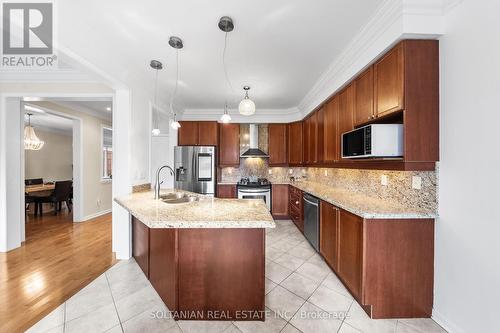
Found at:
<point>399,186</point>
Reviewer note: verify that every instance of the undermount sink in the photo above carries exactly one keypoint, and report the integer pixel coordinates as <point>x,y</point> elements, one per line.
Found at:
<point>177,198</point>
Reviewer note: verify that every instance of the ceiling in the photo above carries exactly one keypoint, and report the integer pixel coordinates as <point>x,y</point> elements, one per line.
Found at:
<point>280,48</point>
<point>49,122</point>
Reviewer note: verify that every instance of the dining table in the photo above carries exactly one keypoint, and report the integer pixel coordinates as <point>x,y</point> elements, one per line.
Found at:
<point>40,190</point>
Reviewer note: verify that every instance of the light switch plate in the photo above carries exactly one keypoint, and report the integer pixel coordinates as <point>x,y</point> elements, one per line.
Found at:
<point>416,182</point>
<point>384,180</point>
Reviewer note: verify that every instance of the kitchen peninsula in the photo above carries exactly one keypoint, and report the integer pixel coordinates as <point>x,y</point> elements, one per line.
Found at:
<point>205,257</point>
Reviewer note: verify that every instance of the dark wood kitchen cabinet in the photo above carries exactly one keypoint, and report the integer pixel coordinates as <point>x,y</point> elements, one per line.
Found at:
<point>229,145</point>
<point>350,250</point>
<point>279,201</point>
<point>295,204</point>
<point>330,132</point>
<point>345,113</point>
<point>197,133</point>
<point>328,237</point>
<point>363,101</point>
<point>226,191</point>
<point>389,82</point>
<point>140,248</point>
<point>320,124</point>
<point>278,142</point>
<point>311,139</point>
<point>295,143</point>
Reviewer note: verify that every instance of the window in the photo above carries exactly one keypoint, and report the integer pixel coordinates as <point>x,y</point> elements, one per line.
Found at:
<point>107,153</point>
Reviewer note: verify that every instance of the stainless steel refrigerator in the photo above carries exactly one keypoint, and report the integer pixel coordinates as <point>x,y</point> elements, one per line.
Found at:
<point>195,169</point>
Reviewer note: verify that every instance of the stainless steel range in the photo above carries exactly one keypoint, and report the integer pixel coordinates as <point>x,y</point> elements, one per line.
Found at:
<point>256,189</point>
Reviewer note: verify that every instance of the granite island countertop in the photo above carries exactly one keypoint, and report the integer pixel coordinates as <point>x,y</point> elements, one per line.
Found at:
<point>361,204</point>
<point>207,212</point>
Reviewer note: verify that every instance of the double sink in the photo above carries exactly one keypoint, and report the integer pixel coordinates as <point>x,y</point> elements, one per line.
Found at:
<point>178,198</point>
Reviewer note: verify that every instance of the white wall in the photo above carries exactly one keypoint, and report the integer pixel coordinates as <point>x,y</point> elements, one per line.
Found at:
<point>54,161</point>
<point>467,268</point>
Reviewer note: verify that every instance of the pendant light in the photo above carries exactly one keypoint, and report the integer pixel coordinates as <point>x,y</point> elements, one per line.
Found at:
<point>31,141</point>
<point>157,66</point>
<point>177,44</point>
<point>247,106</point>
<point>226,25</point>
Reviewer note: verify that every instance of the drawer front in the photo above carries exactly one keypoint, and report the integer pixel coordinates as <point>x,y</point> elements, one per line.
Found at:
<point>295,202</point>
<point>296,191</point>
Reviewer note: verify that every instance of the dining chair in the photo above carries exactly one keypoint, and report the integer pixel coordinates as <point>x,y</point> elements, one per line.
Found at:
<point>61,193</point>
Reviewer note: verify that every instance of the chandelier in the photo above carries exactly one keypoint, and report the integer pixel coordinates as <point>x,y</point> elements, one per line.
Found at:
<point>31,141</point>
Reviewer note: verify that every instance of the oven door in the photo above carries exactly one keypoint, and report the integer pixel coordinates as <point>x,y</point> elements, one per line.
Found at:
<point>264,194</point>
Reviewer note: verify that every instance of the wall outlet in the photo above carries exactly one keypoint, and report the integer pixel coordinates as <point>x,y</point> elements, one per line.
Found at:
<point>416,182</point>
<point>326,173</point>
<point>290,171</point>
<point>98,202</point>
<point>270,171</point>
<point>384,180</point>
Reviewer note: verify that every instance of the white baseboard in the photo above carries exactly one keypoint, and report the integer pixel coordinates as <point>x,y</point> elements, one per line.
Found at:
<point>93,216</point>
<point>445,323</point>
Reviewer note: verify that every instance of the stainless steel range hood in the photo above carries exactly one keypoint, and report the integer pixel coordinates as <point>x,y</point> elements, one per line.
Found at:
<point>254,150</point>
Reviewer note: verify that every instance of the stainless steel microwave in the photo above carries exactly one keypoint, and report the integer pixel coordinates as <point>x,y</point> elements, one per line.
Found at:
<point>376,140</point>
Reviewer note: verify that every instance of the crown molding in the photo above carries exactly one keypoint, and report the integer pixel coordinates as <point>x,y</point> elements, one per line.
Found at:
<point>82,109</point>
<point>260,116</point>
<point>52,76</point>
<point>393,21</point>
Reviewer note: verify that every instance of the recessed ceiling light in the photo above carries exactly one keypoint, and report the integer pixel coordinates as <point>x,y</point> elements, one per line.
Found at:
<point>108,108</point>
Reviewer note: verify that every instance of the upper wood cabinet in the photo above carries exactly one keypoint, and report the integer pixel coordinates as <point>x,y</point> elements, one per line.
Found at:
<point>197,133</point>
<point>278,144</point>
<point>295,143</point>
<point>350,250</point>
<point>311,139</point>
<point>279,198</point>
<point>345,113</point>
<point>329,231</point>
<point>330,131</point>
<point>320,124</point>
<point>389,82</point>
<point>229,145</point>
<point>363,101</point>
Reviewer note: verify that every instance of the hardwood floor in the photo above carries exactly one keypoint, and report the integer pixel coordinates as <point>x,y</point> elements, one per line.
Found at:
<point>58,258</point>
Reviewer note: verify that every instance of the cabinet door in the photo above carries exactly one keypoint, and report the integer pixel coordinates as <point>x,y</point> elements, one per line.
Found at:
<point>320,125</point>
<point>363,101</point>
<point>140,245</point>
<point>389,82</point>
<point>163,264</point>
<point>306,139</point>
<point>187,134</point>
<point>226,191</point>
<point>295,143</point>
<point>330,132</point>
<point>279,199</point>
<point>313,132</point>
<point>229,145</point>
<point>277,144</point>
<point>207,133</point>
<point>350,250</point>
<point>329,231</point>
<point>345,113</point>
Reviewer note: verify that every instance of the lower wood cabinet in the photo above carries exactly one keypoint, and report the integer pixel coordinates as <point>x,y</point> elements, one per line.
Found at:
<point>279,201</point>
<point>226,191</point>
<point>386,264</point>
<point>296,210</point>
<point>140,248</point>
<point>350,246</point>
<point>329,234</point>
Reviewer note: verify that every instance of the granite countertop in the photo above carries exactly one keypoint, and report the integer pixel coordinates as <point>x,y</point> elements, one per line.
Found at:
<point>208,212</point>
<point>361,204</point>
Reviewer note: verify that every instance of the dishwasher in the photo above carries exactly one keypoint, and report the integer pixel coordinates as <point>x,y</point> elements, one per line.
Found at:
<point>311,219</point>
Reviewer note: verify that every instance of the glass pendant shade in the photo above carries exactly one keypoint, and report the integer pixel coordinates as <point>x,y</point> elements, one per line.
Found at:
<point>175,125</point>
<point>156,132</point>
<point>31,141</point>
<point>247,107</point>
<point>225,118</point>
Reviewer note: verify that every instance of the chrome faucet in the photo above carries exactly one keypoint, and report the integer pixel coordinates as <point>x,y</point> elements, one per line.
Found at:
<point>157,182</point>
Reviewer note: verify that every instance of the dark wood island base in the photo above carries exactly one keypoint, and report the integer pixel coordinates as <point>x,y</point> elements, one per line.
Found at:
<point>204,273</point>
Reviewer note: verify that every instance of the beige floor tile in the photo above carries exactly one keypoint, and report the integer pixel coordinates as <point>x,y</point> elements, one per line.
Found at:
<point>116,329</point>
<point>332,282</point>
<point>346,328</point>
<point>314,272</point>
<point>422,325</point>
<point>138,302</point>
<point>289,261</point>
<point>146,322</point>
<point>283,302</point>
<point>302,252</point>
<point>311,319</point>
<point>272,324</point>
<point>202,326</point>
<point>289,328</point>
<point>273,253</point>
<point>277,273</point>
<point>232,329</point>
<point>300,285</point>
<point>51,321</point>
<point>97,321</point>
<point>269,285</point>
<point>331,301</point>
<point>358,319</point>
